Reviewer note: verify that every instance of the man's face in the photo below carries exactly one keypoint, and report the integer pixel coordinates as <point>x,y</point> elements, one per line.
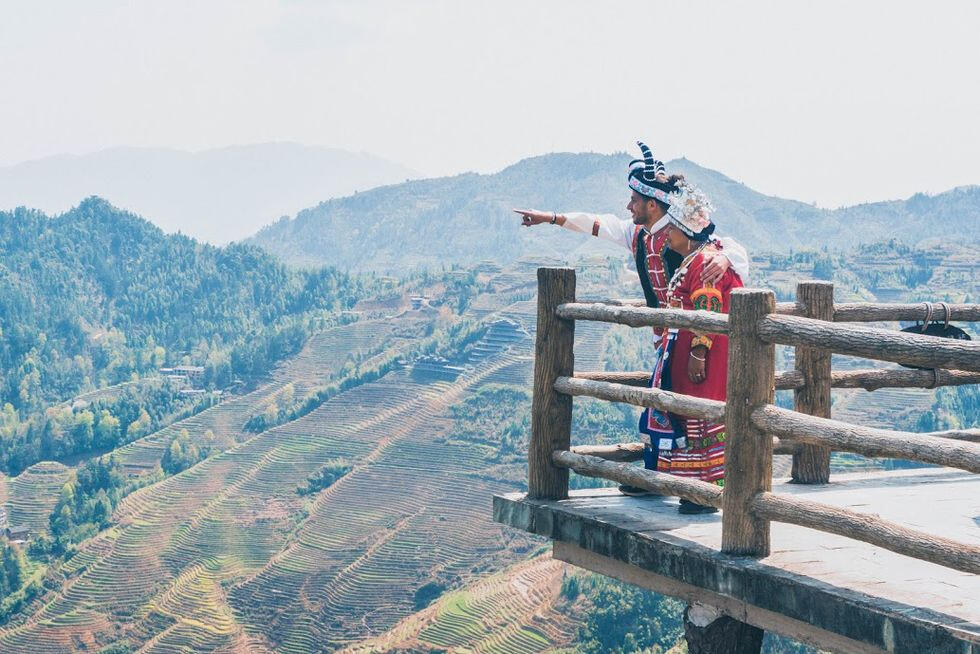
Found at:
<point>638,208</point>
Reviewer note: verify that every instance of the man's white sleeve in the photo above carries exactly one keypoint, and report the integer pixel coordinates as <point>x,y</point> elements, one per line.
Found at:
<point>605,226</point>
<point>737,256</point>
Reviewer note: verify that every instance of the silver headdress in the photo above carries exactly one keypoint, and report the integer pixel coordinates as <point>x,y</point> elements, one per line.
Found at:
<point>690,210</point>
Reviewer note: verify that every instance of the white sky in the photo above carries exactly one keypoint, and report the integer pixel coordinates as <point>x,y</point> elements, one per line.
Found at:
<point>833,102</point>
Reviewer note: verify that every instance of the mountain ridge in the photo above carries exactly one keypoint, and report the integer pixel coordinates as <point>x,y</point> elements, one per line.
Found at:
<point>400,225</point>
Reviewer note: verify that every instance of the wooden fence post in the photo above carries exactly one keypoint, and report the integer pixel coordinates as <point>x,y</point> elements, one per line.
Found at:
<point>748,455</point>
<point>551,412</point>
<point>811,463</point>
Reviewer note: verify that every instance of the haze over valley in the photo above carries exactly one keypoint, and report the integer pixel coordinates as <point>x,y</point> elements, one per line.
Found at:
<point>216,195</point>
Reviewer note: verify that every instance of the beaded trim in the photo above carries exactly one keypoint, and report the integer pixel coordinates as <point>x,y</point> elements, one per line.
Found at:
<point>681,271</point>
<point>701,340</point>
<point>649,191</point>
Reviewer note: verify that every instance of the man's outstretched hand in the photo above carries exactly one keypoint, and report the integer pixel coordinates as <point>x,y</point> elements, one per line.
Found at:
<point>714,269</point>
<point>531,217</point>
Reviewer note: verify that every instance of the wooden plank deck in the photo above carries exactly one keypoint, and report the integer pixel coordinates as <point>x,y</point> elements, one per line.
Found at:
<point>873,598</point>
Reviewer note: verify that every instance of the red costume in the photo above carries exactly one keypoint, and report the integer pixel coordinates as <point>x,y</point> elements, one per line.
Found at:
<point>690,447</point>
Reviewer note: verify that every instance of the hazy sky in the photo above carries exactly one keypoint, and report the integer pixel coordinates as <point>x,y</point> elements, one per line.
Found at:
<point>833,102</point>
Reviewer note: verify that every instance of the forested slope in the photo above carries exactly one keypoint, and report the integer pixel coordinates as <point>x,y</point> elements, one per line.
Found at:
<point>98,296</point>
<point>109,287</point>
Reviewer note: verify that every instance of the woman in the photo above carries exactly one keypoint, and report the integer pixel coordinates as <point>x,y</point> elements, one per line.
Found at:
<point>688,362</point>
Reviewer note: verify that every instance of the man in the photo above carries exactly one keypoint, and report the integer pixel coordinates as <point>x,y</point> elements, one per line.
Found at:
<point>650,190</point>
<point>646,236</point>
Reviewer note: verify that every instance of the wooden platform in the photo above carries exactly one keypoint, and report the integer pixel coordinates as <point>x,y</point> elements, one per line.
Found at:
<point>834,592</point>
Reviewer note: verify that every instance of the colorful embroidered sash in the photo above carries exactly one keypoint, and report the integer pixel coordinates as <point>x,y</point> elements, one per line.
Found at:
<point>659,429</point>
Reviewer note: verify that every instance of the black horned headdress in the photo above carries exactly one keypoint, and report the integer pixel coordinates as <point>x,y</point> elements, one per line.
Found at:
<point>648,176</point>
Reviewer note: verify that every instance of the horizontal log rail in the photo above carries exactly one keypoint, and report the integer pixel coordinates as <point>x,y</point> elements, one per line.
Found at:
<point>639,378</point>
<point>706,321</point>
<point>885,312</point>
<point>627,452</point>
<point>971,435</point>
<point>789,309</point>
<point>872,343</point>
<point>621,452</point>
<point>685,405</point>
<point>874,378</point>
<point>875,312</point>
<point>658,482</point>
<point>617,302</point>
<point>868,528</point>
<point>868,441</point>
<point>870,379</point>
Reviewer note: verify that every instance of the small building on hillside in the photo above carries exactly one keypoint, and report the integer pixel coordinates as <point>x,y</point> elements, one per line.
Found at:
<point>184,376</point>
<point>18,534</point>
<point>194,374</point>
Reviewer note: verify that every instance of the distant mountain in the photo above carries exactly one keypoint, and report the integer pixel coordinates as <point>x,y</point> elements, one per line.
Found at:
<point>467,218</point>
<point>215,195</point>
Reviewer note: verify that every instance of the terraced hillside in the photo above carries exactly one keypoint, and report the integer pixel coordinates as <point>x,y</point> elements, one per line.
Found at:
<point>512,611</point>
<point>222,540</point>
<point>228,556</point>
<point>33,493</point>
<point>319,362</point>
<point>326,353</point>
<point>29,497</point>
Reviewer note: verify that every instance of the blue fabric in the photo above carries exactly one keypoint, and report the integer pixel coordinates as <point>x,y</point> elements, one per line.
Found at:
<point>663,431</point>
<point>650,458</point>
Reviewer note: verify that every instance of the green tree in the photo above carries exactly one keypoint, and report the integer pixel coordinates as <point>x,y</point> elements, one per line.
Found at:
<point>181,454</point>
<point>107,430</point>
<point>823,268</point>
<point>102,510</point>
<point>12,566</point>
<point>625,619</point>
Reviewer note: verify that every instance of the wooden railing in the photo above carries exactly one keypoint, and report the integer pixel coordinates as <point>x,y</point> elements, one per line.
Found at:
<point>755,427</point>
